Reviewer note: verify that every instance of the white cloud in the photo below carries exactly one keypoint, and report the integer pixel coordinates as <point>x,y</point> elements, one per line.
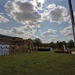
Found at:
<point>67,31</point>
<point>5,32</point>
<point>55,13</point>
<point>49,36</point>
<point>54,40</point>
<point>51,6</point>
<point>49,32</point>
<point>22,12</point>
<point>26,11</point>
<point>23,29</point>
<point>58,14</point>
<point>24,32</point>
<point>17,31</point>
<point>49,40</point>
<point>38,3</point>
<point>69,18</point>
<point>3,19</point>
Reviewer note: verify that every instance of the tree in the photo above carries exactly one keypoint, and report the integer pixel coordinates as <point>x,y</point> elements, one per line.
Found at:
<point>53,45</point>
<point>57,44</point>
<point>70,44</point>
<point>37,42</point>
<point>64,43</point>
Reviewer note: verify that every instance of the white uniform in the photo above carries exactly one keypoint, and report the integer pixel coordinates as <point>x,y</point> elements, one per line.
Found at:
<point>64,47</point>
<point>3,49</point>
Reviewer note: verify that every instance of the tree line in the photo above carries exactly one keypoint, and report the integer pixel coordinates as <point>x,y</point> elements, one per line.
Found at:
<point>37,42</point>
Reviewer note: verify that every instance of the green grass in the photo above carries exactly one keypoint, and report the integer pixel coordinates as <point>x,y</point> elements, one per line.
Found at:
<point>38,64</point>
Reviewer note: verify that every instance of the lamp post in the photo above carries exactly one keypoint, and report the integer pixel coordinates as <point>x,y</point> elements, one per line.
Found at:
<point>72,19</point>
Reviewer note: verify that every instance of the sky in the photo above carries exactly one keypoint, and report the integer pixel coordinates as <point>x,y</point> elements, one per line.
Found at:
<point>48,20</point>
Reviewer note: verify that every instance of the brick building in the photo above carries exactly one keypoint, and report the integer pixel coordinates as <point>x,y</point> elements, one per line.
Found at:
<point>15,40</point>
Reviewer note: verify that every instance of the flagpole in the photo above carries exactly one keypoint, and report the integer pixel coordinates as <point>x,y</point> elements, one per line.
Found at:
<point>72,19</point>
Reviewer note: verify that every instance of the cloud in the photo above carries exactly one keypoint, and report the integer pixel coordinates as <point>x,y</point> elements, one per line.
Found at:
<point>24,32</point>
<point>17,31</point>
<point>49,40</point>
<point>69,18</point>
<point>5,32</point>
<point>22,12</point>
<point>55,13</point>
<point>54,39</point>
<point>49,36</point>
<point>49,32</point>
<point>29,32</point>
<point>38,4</point>
<point>3,19</point>
<point>34,2</point>
<point>67,31</point>
<point>27,11</point>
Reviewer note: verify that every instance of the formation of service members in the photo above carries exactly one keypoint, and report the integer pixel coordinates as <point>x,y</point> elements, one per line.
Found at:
<point>4,49</point>
<point>20,49</point>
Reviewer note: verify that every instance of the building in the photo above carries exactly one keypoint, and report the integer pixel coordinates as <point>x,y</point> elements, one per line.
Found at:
<point>15,40</point>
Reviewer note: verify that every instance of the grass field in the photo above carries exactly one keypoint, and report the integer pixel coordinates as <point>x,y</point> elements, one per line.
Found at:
<point>37,64</point>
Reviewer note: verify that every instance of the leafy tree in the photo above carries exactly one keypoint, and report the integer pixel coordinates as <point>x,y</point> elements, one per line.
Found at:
<point>64,43</point>
<point>53,45</point>
<point>57,44</point>
<point>30,39</point>
<point>70,44</point>
<point>37,42</point>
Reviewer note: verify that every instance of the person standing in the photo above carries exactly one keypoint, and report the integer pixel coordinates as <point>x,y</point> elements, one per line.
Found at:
<point>3,48</point>
<point>0,49</point>
<point>8,47</point>
<point>64,47</point>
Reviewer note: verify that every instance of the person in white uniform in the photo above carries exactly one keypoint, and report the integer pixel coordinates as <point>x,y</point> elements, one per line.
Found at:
<point>3,48</point>
<point>64,47</point>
